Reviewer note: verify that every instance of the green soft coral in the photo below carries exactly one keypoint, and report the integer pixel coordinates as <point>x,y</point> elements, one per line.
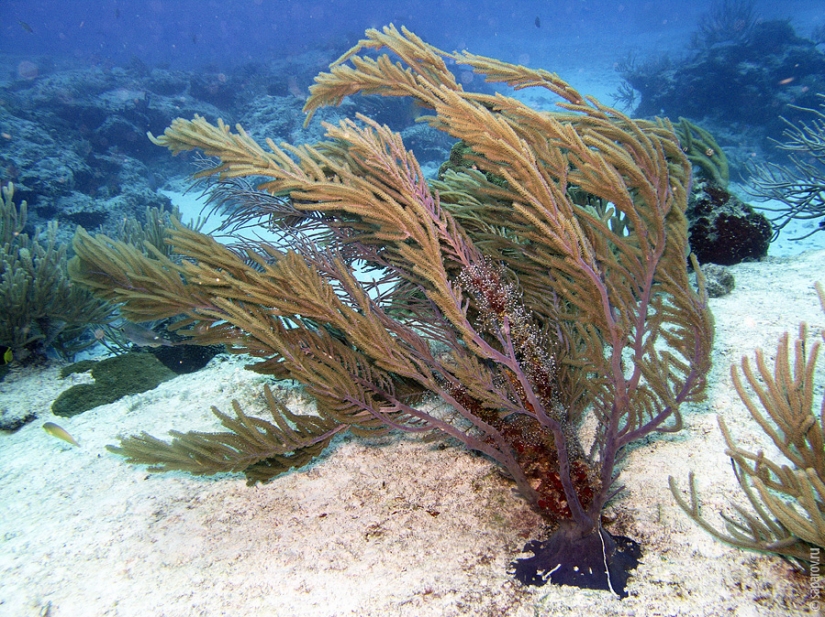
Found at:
<point>41,307</point>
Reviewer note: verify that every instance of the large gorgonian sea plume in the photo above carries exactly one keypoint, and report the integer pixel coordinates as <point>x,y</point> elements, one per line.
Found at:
<point>543,284</point>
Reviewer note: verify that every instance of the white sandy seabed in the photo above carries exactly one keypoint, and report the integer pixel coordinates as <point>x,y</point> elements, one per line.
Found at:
<point>384,527</point>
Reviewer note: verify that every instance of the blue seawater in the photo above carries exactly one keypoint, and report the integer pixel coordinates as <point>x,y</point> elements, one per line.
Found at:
<point>96,75</point>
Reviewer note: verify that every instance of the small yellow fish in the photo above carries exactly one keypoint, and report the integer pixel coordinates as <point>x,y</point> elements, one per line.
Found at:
<point>58,431</point>
<point>8,356</point>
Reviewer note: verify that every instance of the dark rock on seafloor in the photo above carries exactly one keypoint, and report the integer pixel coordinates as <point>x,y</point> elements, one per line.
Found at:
<point>719,280</point>
<point>723,229</point>
<point>13,419</point>
<point>183,359</point>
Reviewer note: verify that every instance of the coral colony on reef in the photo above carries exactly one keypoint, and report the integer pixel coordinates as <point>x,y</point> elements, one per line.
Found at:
<point>540,284</point>
<point>41,308</point>
<point>787,501</point>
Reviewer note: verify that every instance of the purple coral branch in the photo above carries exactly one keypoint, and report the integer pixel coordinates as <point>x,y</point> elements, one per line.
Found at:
<point>559,439</point>
<point>501,452</point>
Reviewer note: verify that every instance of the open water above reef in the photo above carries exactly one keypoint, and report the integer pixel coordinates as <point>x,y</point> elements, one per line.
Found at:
<point>81,83</point>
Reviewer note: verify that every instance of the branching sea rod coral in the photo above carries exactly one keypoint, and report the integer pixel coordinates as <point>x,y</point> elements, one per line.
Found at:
<point>41,308</point>
<point>801,187</point>
<point>787,496</point>
<point>505,290</point>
